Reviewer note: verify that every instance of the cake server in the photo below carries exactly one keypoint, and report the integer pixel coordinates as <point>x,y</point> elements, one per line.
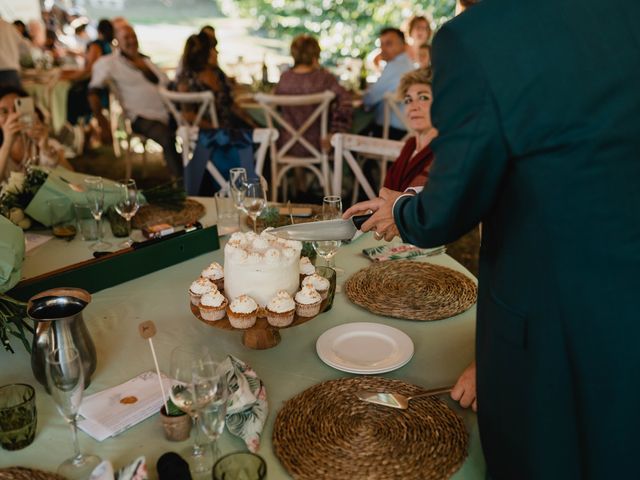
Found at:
<point>324,230</point>
<point>397,400</point>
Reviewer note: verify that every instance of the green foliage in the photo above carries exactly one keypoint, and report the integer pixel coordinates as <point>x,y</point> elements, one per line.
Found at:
<point>173,410</point>
<point>343,27</point>
<point>169,195</point>
<point>13,316</point>
<point>270,216</point>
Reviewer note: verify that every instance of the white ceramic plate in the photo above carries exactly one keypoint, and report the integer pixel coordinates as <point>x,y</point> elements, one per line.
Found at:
<point>365,348</point>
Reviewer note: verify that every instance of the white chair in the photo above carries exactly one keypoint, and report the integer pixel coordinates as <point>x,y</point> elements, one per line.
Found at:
<point>345,145</point>
<point>281,162</point>
<point>187,131</point>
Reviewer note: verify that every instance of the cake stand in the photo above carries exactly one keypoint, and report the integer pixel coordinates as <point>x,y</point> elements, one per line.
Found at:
<point>262,335</point>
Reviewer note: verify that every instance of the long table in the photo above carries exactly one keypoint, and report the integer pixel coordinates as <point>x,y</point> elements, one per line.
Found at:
<point>442,350</point>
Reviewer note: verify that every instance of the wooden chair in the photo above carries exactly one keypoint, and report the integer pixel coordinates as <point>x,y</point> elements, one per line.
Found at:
<point>281,161</point>
<point>345,145</point>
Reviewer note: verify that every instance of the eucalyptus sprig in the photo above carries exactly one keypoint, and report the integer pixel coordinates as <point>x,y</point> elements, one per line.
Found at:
<point>13,322</point>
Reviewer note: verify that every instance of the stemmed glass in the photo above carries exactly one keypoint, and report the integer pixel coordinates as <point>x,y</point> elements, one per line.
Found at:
<point>237,182</point>
<point>95,199</point>
<point>127,204</point>
<point>186,362</point>
<point>255,199</point>
<point>211,391</point>
<point>65,378</point>
<point>327,249</point>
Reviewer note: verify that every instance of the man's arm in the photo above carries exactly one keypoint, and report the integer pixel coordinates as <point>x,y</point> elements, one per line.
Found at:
<point>471,153</point>
<point>375,93</point>
<point>100,77</point>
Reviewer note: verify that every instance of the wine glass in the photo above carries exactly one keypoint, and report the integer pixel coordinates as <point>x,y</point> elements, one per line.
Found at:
<point>65,377</point>
<point>255,199</point>
<point>184,362</point>
<point>127,204</point>
<point>211,392</point>
<point>95,199</point>
<point>327,249</point>
<point>237,182</point>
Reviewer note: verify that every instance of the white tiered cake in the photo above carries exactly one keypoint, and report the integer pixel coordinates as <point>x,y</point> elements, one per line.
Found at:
<point>260,265</point>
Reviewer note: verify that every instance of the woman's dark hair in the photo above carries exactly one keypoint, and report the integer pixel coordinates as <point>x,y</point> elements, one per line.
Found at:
<point>209,30</point>
<point>105,28</point>
<point>305,50</point>
<point>24,31</point>
<point>197,51</point>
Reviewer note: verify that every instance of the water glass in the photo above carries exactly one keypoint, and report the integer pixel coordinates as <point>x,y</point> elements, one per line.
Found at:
<point>18,416</point>
<point>330,274</point>
<point>60,215</point>
<point>228,217</point>
<point>244,465</point>
<point>95,199</point>
<point>331,210</point>
<point>237,184</point>
<point>211,394</point>
<point>85,222</point>
<point>255,199</point>
<point>127,204</point>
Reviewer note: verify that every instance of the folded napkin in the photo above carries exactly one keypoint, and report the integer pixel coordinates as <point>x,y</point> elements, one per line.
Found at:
<point>247,408</point>
<point>137,470</point>
<point>404,251</point>
<point>11,253</point>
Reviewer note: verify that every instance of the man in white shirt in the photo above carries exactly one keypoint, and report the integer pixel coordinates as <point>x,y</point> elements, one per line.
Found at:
<point>393,48</point>
<point>135,79</point>
<point>11,42</point>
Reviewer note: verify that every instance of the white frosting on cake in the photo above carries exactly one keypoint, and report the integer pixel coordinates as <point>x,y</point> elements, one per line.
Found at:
<point>260,266</point>
<point>306,267</point>
<point>212,299</point>
<point>243,304</point>
<point>316,281</point>
<point>281,303</point>
<point>308,295</point>
<point>213,271</point>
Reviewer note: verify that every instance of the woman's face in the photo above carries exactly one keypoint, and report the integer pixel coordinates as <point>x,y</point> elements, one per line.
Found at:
<point>7,106</point>
<point>417,103</point>
<point>420,32</point>
<point>213,57</point>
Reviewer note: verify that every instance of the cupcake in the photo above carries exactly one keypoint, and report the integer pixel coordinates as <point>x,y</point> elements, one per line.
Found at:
<point>199,288</point>
<point>280,309</point>
<point>214,273</point>
<point>242,312</point>
<point>306,267</point>
<point>213,306</point>
<point>318,282</point>
<point>308,302</point>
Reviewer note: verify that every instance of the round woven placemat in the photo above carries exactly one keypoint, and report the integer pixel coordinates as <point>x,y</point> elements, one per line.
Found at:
<point>149,215</point>
<point>326,432</point>
<point>21,473</point>
<point>411,290</point>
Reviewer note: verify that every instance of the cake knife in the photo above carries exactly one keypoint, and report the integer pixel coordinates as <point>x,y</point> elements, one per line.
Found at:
<point>324,230</point>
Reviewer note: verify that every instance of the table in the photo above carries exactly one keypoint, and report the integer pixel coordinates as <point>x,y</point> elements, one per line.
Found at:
<point>49,93</point>
<point>442,350</point>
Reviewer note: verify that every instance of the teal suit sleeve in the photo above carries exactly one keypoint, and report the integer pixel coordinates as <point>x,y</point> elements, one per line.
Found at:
<point>470,151</point>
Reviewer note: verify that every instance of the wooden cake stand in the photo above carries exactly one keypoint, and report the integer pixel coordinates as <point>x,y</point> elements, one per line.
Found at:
<point>262,335</point>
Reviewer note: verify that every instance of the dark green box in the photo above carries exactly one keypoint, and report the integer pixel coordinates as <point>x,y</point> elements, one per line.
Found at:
<point>100,273</point>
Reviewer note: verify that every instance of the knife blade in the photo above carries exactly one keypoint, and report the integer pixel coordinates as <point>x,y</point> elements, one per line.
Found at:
<point>324,230</point>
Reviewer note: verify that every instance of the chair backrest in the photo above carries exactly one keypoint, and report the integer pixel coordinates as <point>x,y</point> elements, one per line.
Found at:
<point>345,145</point>
<point>205,101</point>
<point>270,104</point>
<point>392,105</point>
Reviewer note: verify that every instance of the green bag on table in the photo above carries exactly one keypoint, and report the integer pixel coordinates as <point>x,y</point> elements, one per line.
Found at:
<point>58,186</point>
<point>11,253</point>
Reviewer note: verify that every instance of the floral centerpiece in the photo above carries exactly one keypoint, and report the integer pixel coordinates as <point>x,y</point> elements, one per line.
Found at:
<point>17,193</point>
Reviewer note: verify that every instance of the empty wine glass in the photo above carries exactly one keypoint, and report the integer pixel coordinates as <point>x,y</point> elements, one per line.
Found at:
<point>211,392</point>
<point>127,204</point>
<point>327,249</point>
<point>65,377</point>
<point>255,199</point>
<point>95,199</point>
<point>237,182</point>
<point>184,363</point>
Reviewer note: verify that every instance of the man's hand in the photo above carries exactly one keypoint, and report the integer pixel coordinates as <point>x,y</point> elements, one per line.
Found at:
<point>464,390</point>
<point>381,221</point>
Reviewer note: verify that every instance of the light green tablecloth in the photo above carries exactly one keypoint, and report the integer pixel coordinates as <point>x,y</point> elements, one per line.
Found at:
<point>442,350</point>
<point>11,253</point>
<point>53,101</point>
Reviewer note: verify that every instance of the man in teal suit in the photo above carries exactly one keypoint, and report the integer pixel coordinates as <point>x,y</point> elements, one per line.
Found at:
<point>538,108</point>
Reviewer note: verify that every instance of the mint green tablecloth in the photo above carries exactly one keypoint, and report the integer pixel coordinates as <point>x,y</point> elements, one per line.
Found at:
<point>51,99</point>
<point>11,253</point>
<point>442,350</point>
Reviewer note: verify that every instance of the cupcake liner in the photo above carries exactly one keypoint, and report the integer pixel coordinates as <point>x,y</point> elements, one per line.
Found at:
<point>282,319</point>
<point>195,299</point>
<point>242,320</point>
<point>213,314</point>
<point>323,293</point>
<point>309,310</point>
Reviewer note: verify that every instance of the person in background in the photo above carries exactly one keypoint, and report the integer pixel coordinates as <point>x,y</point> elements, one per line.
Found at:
<point>201,72</point>
<point>419,33</point>
<point>424,56</point>
<point>307,76</point>
<point>22,29</point>
<point>211,33</point>
<point>135,79</point>
<point>25,142</point>
<point>11,44</point>
<point>393,48</point>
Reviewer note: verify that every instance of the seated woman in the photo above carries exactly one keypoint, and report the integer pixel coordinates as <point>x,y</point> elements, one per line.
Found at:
<point>22,145</point>
<point>201,72</point>
<point>306,77</point>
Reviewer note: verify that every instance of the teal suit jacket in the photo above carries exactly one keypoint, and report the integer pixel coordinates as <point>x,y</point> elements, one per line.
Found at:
<point>538,107</point>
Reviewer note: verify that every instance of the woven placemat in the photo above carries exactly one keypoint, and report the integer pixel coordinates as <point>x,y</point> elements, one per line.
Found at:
<point>326,432</point>
<point>411,290</point>
<point>149,215</point>
<point>21,473</point>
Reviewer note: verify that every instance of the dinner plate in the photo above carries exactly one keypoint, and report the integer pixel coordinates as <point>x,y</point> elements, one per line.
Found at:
<point>364,348</point>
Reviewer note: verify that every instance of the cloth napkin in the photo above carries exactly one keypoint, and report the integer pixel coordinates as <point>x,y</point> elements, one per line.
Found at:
<point>404,251</point>
<point>11,253</point>
<point>136,470</point>
<point>247,407</point>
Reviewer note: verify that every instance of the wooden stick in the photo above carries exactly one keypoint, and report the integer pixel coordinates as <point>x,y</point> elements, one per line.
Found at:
<point>147,330</point>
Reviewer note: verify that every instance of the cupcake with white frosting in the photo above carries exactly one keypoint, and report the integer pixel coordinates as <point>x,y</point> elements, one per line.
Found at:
<point>213,306</point>
<point>280,309</point>
<point>242,312</point>
<point>214,273</point>
<point>308,301</point>
<point>306,267</point>
<point>318,282</point>
<point>199,288</point>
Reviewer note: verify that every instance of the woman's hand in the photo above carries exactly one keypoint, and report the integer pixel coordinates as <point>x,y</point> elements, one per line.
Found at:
<point>464,390</point>
<point>10,128</point>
